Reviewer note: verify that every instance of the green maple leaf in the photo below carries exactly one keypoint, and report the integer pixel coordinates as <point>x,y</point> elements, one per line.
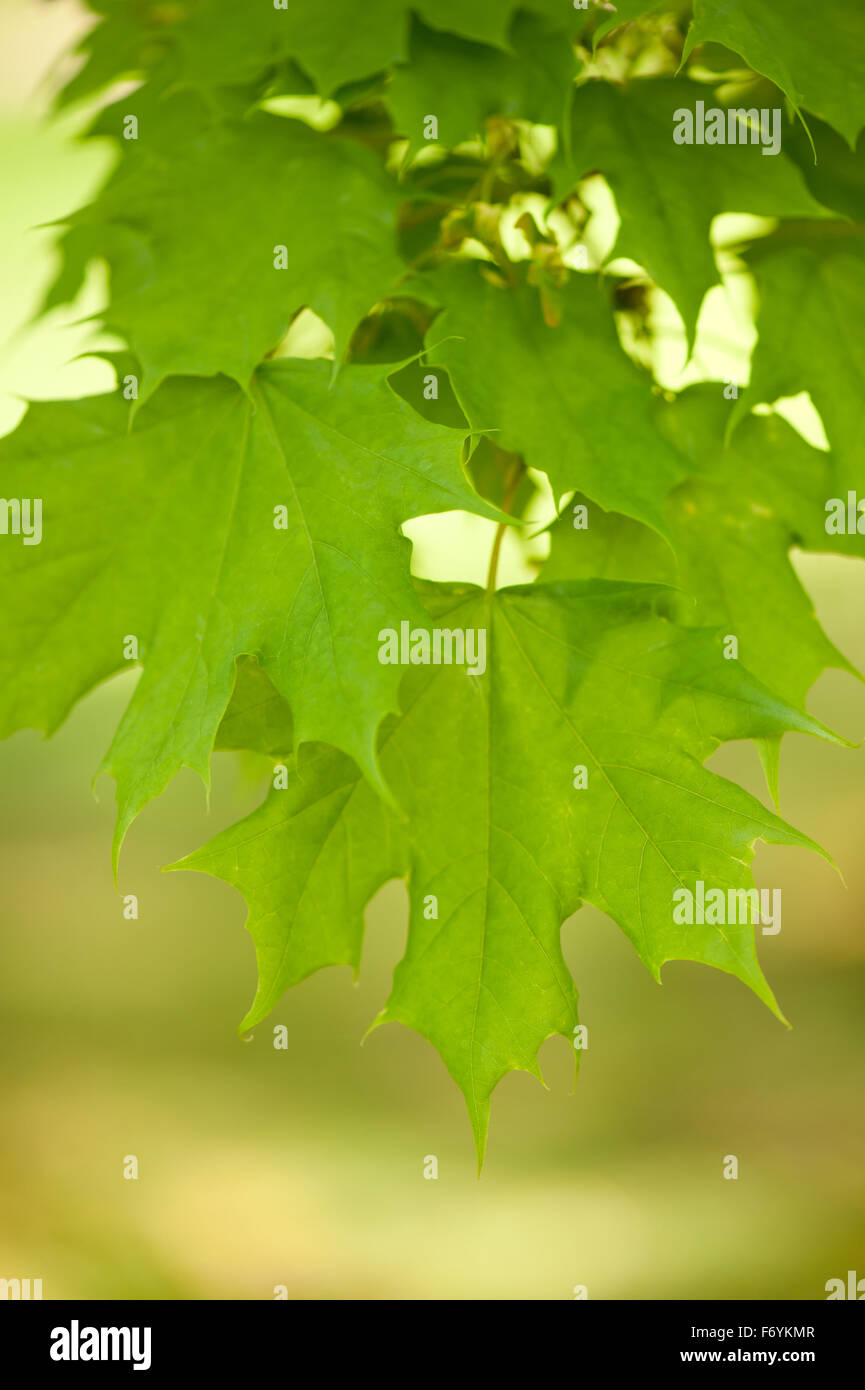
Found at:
<point>566,397</point>
<point>308,861</point>
<point>168,533</point>
<point>667,194</point>
<point>334,44</point>
<point>532,83</point>
<point>811,282</point>
<point>814,53</point>
<point>127,39</point>
<point>193,216</point>
<point>732,529</point>
<point>223,42</point>
<point>497,837</point>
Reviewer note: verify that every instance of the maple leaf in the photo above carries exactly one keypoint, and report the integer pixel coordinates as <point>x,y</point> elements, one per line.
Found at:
<point>221,42</point>
<point>667,195</point>
<point>196,213</point>
<point>811,281</point>
<point>566,397</point>
<point>732,528</point>
<point>309,860</point>
<point>814,53</point>
<point>169,533</point>
<point>501,848</point>
<point>532,83</point>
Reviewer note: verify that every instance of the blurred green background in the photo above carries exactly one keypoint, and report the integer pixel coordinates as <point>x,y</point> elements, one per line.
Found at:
<point>304,1167</point>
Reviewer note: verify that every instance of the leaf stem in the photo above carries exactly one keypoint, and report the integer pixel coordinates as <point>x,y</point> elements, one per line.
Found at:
<point>514,478</point>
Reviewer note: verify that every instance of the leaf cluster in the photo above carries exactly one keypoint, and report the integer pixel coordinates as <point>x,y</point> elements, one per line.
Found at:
<point>423,178</point>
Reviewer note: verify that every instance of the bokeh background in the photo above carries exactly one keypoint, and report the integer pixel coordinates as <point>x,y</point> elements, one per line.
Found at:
<point>304,1167</point>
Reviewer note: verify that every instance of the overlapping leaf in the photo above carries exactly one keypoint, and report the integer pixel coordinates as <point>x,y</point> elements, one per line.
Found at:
<point>811,281</point>
<point>195,216</point>
<point>731,529</point>
<point>463,83</point>
<point>170,533</point>
<point>565,397</point>
<point>815,53</point>
<point>667,194</point>
<point>221,41</point>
